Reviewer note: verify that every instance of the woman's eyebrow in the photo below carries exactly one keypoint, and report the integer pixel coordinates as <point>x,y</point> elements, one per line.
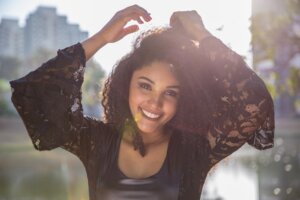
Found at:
<point>174,86</point>
<point>149,80</point>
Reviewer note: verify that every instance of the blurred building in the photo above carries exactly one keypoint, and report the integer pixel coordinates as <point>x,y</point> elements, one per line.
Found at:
<point>11,38</point>
<point>44,29</point>
<point>23,49</point>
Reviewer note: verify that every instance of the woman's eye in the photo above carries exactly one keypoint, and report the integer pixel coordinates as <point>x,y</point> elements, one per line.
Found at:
<point>145,86</point>
<point>172,93</point>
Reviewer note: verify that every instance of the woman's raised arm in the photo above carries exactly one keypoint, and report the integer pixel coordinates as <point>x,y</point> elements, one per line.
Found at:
<point>116,29</point>
<point>243,108</point>
<point>49,98</point>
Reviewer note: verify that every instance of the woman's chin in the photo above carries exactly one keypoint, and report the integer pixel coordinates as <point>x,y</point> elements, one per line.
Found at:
<point>148,129</point>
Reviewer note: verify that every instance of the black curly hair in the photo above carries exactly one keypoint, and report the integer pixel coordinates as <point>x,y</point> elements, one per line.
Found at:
<point>171,46</point>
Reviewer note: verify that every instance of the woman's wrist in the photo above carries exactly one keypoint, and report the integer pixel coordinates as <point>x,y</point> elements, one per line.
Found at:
<point>93,44</point>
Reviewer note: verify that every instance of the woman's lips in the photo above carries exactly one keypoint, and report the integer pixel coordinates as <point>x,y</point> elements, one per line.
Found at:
<point>150,115</point>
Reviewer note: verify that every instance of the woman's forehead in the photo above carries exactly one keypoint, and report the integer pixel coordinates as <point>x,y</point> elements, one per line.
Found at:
<point>157,71</point>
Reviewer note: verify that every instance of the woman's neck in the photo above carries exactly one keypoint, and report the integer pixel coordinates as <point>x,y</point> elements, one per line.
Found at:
<point>149,139</point>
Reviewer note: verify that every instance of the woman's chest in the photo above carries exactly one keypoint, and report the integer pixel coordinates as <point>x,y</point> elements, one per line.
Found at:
<point>161,185</point>
<point>133,165</point>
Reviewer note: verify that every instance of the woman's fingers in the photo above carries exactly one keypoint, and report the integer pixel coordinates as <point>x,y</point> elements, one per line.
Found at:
<point>139,11</point>
<point>116,28</point>
<point>134,16</point>
<point>136,13</point>
<point>130,29</point>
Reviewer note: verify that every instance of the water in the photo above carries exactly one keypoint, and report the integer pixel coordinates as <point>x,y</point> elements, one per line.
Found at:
<point>28,174</point>
<point>250,174</point>
<point>232,179</point>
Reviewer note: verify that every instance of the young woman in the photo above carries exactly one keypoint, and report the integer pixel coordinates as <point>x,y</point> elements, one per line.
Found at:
<point>176,105</point>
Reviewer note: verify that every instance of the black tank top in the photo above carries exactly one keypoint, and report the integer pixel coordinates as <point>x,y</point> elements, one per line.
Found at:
<point>161,186</point>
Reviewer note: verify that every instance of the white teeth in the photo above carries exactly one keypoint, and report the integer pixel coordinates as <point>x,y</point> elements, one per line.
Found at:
<point>150,115</point>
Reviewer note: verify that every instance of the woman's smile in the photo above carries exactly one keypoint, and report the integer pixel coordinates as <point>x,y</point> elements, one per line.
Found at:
<point>150,115</point>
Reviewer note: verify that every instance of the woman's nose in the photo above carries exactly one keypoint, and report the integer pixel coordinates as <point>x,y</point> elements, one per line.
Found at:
<point>156,100</point>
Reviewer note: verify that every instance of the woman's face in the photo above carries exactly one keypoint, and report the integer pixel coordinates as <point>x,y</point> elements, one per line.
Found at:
<point>153,96</point>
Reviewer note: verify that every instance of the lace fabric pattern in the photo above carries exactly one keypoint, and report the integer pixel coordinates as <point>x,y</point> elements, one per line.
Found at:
<point>245,108</point>
<point>49,103</point>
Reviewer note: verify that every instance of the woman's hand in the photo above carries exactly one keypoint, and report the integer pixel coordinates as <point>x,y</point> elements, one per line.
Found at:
<point>190,23</point>
<point>116,29</point>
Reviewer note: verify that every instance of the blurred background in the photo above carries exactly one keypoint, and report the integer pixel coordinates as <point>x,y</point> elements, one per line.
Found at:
<point>266,33</point>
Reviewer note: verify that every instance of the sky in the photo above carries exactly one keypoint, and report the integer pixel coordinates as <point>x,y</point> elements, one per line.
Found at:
<point>232,16</point>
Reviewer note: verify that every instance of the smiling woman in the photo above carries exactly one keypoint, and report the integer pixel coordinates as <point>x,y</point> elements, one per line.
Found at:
<point>177,104</point>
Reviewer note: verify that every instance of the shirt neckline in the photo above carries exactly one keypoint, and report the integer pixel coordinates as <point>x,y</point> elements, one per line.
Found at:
<point>163,166</point>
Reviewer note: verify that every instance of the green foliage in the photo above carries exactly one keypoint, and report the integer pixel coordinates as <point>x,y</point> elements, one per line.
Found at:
<point>5,109</point>
<point>272,90</point>
<point>91,88</point>
<point>12,68</point>
<point>5,106</point>
<point>9,67</point>
<point>273,38</point>
<point>269,27</point>
<point>35,60</point>
<point>266,29</point>
<point>293,6</point>
<point>294,81</point>
<point>4,86</point>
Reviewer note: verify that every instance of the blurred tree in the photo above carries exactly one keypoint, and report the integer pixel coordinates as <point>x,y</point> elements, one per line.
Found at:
<point>91,88</point>
<point>12,68</point>
<point>276,56</point>
<point>92,80</point>
<point>276,38</point>
<point>9,67</point>
<point>35,60</point>
<point>5,106</point>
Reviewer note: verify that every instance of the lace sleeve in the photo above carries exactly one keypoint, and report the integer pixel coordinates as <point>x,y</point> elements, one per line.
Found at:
<point>49,103</point>
<point>244,110</point>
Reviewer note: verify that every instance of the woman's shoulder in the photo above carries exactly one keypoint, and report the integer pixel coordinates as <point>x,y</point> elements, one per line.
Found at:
<point>190,143</point>
<point>97,124</point>
<point>99,128</point>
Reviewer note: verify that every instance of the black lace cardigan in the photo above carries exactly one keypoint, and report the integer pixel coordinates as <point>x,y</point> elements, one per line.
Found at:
<point>49,102</point>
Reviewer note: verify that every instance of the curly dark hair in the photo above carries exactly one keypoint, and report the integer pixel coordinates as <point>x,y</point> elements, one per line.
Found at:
<point>171,46</point>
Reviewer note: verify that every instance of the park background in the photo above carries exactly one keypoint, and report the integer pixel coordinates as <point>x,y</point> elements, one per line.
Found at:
<point>266,33</point>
